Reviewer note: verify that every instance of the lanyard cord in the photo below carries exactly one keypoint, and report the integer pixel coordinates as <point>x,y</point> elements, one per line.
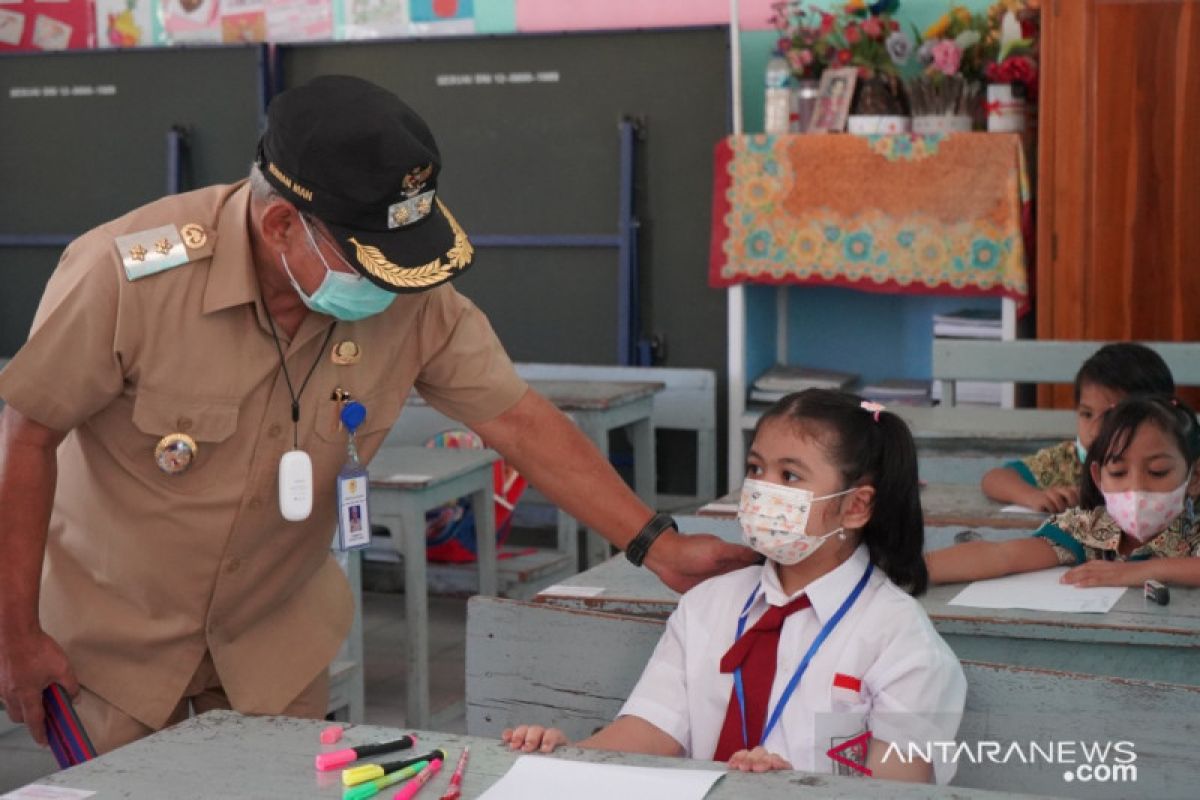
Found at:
<point>826,629</point>
<point>288,378</point>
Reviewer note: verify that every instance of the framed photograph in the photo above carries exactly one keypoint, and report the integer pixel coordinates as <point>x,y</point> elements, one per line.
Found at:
<point>833,100</point>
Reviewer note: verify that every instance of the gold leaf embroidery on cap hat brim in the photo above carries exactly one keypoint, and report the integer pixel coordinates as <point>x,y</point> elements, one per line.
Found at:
<point>457,258</point>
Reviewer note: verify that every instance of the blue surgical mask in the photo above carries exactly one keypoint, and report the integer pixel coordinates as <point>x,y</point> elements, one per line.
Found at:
<point>341,295</point>
<point>1080,450</point>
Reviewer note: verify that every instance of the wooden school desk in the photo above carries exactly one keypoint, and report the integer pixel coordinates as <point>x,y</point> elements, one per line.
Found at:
<point>540,664</point>
<point>1136,639</point>
<point>227,755</point>
<point>405,483</point>
<point>597,407</point>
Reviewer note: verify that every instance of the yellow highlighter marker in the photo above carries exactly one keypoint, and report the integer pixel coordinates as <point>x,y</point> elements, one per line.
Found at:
<point>368,772</point>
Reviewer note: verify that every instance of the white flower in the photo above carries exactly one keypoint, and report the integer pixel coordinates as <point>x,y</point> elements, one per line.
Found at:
<point>966,39</point>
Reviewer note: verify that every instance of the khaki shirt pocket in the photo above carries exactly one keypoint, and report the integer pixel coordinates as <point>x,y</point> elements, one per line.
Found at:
<point>383,408</point>
<point>210,422</point>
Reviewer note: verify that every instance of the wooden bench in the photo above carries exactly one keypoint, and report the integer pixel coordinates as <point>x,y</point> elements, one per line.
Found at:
<point>1027,361</point>
<point>574,668</point>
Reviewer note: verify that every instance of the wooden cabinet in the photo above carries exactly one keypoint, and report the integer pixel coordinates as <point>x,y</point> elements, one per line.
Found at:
<point>1119,177</point>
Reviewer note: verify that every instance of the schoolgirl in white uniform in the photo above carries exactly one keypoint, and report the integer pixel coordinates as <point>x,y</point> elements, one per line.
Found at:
<point>862,684</point>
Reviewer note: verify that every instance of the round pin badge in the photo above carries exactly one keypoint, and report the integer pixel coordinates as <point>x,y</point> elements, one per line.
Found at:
<point>175,453</point>
<point>345,353</point>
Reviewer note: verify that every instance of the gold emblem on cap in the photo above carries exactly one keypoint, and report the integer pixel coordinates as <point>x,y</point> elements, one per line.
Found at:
<point>424,206</point>
<point>345,353</point>
<point>137,253</point>
<point>193,235</point>
<point>457,257</point>
<point>162,246</point>
<point>401,215</point>
<point>175,452</point>
<point>414,181</point>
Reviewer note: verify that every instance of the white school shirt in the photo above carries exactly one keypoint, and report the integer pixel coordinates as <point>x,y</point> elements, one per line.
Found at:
<point>912,686</point>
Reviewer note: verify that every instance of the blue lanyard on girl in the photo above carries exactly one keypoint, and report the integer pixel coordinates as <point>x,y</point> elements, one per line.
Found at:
<point>812,651</point>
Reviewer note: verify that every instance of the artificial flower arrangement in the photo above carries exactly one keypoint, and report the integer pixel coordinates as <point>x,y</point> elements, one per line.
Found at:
<point>953,58</point>
<point>861,35</point>
<point>1014,28</point>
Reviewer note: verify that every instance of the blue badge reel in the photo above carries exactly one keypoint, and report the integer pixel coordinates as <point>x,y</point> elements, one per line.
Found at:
<point>354,521</point>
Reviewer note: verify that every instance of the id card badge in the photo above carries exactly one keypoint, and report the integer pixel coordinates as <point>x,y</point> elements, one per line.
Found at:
<point>354,520</point>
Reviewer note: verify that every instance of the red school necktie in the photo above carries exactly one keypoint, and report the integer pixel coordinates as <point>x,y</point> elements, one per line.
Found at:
<point>755,652</point>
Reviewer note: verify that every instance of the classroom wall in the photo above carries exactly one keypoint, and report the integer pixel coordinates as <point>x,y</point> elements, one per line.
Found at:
<point>757,38</point>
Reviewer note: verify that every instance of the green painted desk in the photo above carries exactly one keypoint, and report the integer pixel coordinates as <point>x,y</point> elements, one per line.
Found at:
<point>405,483</point>
<point>226,755</point>
<point>1136,639</point>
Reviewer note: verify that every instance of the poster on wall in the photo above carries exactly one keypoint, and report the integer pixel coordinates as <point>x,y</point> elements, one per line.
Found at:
<point>299,20</point>
<point>442,17</point>
<point>191,21</point>
<point>243,21</point>
<point>45,24</point>
<point>372,19</point>
<point>556,15</point>
<point>125,23</point>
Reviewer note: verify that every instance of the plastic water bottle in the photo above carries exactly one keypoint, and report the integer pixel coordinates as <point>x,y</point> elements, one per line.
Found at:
<point>777,105</point>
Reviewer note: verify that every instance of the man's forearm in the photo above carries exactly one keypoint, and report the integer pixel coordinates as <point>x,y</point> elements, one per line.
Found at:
<point>554,455</point>
<point>28,473</point>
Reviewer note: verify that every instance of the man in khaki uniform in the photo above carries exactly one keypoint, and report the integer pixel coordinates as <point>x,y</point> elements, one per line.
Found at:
<point>179,352</point>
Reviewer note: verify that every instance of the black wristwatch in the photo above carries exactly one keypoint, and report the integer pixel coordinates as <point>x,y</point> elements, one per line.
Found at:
<point>637,549</point>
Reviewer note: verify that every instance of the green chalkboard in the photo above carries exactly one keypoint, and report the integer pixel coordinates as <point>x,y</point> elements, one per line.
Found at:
<point>528,131</point>
<point>83,139</point>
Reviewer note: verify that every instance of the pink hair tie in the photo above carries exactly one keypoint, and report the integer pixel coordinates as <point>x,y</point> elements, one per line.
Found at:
<point>873,408</point>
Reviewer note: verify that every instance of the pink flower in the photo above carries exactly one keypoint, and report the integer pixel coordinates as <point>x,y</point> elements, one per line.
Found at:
<point>853,34</point>
<point>873,28</point>
<point>827,23</point>
<point>946,57</point>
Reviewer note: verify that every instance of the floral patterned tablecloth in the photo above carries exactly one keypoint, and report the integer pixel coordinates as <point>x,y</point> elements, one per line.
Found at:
<point>899,213</point>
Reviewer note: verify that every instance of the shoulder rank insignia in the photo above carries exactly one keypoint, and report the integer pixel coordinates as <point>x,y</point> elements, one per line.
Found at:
<point>162,248</point>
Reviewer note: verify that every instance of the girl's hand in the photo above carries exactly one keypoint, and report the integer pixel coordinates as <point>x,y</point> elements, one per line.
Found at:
<point>1052,500</point>
<point>757,760</point>
<point>1105,573</point>
<point>528,738</point>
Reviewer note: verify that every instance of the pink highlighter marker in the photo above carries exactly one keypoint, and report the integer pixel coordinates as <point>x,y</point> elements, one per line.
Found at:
<point>412,787</point>
<point>340,758</point>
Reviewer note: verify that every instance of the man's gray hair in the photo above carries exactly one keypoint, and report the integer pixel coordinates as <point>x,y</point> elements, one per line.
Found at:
<point>260,188</point>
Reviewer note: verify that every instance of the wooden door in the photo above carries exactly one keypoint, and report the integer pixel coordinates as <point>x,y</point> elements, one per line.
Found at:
<point>1119,178</point>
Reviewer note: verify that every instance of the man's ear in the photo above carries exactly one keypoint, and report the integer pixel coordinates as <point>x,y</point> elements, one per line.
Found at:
<point>277,221</point>
<point>856,511</point>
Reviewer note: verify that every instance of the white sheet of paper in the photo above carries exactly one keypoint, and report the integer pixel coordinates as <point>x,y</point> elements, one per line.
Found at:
<point>561,590</point>
<point>1015,509</point>
<point>533,777</point>
<point>40,791</point>
<point>1039,591</point>
<point>720,508</point>
<point>406,477</point>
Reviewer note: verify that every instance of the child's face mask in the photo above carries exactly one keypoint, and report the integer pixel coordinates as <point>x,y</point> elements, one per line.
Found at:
<point>774,519</point>
<point>1144,515</point>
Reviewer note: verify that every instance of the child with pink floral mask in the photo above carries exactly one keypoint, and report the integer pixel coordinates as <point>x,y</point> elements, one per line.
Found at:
<point>1137,517</point>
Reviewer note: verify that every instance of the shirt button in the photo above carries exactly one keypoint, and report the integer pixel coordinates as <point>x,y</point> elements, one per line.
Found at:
<point>274,431</point>
<point>184,424</point>
<point>233,565</point>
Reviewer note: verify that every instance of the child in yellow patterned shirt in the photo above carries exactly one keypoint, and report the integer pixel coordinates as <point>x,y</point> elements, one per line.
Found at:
<point>1048,480</point>
<point>1137,515</point>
